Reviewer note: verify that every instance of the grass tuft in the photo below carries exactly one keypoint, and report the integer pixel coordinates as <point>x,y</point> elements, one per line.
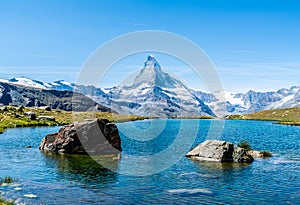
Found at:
<point>245,145</point>
<point>266,154</point>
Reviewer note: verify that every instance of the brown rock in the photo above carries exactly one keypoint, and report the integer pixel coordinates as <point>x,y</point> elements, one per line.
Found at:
<point>92,137</point>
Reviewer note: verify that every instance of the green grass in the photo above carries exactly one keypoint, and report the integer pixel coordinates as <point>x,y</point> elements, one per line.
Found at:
<point>235,117</point>
<point>12,117</point>
<point>287,116</point>
<point>245,145</point>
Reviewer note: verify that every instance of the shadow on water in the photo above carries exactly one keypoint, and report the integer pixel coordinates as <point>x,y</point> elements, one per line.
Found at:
<point>83,169</point>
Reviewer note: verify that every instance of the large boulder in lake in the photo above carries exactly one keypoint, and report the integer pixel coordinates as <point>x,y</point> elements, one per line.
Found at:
<point>92,137</point>
<point>219,151</point>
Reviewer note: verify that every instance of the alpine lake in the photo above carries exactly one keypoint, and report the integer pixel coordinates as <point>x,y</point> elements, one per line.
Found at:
<point>148,172</point>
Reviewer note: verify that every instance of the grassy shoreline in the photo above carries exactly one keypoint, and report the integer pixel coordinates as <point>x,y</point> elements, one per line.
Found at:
<point>287,116</point>
<point>14,117</point>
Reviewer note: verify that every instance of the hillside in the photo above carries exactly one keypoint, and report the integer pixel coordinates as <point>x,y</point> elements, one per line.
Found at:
<point>21,95</point>
<point>13,116</point>
<point>289,116</point>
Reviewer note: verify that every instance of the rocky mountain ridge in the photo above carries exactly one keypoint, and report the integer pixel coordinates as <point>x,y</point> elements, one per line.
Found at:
<point>11,94</point>
<point>156,93</point>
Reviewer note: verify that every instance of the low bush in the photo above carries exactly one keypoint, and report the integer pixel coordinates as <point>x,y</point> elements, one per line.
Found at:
<point>245,145</point>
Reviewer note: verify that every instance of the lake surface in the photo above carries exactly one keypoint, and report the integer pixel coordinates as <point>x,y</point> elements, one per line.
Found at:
<point>156,145</point>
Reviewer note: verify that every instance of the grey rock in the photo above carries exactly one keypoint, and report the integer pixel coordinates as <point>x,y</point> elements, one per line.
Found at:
<point>213,150</point>
<point>3,108</point>
<point>219,151</point>
<point>46,108</point>
<point>45,118</point>
<point>30,115</point>
<point>20,109</point>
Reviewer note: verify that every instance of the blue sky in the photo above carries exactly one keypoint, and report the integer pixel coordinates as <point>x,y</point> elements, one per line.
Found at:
<point>254,44</point>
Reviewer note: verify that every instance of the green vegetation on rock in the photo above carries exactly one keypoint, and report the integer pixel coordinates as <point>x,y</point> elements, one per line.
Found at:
<point>266,154</point>
<point>245,145</point>
<point>6,180</point>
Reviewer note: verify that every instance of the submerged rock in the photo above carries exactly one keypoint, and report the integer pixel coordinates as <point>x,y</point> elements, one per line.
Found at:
<point>219,151</point>
<point>92,137</point>
<point>255,154</point>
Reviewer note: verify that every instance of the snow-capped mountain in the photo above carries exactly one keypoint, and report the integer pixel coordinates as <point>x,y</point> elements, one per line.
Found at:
<point>251,101</point>
<point>57,85</point>
<point>12,94</point>
<point>155,93</point>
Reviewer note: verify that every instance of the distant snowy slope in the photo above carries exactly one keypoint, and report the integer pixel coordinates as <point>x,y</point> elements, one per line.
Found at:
<point>154,92</point>
<point>252,101</point>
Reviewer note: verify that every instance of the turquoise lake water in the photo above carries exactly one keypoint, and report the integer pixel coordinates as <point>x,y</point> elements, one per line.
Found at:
<point>153,169</point>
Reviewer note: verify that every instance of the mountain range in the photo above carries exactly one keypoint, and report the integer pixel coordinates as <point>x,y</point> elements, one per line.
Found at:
<point>156,93</point>
<point>21,95</point>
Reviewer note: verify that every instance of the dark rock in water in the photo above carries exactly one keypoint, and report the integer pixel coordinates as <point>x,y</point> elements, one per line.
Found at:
<point>30,115</point>
<point>219,151</point>
<point>92,137</point>
<point>241,155</point>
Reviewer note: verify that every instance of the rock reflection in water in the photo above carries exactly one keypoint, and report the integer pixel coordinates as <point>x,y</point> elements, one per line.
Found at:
<point>217,166</point>
<point>83,169</point>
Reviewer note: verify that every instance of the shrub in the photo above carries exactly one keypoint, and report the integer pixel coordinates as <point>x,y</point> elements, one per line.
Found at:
<point>7,180</point>
<point>245,145</point>
<point>266,154</point>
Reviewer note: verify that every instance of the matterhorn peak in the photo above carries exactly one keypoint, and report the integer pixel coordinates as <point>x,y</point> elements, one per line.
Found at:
<point>152,75</point>
<point>151,57</point>
<point>152,63</point>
